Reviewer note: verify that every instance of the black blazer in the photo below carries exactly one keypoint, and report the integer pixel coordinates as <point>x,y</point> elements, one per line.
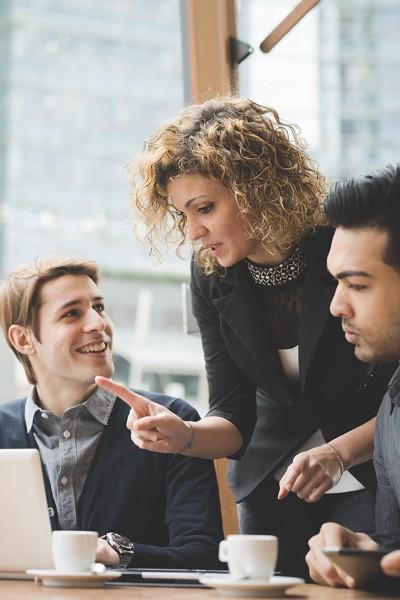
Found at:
<point>167,504</point>
<point>246,382</point>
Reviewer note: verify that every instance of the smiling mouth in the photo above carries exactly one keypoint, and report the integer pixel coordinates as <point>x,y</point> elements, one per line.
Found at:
<point>93,348</point>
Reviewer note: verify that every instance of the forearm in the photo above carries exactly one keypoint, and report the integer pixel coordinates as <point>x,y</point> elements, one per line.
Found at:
<point>213,437</point>
<point>356,446</point>
<point>199,554</point>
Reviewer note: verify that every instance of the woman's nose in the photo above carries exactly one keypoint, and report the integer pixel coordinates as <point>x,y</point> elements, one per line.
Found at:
<point>196,231</point>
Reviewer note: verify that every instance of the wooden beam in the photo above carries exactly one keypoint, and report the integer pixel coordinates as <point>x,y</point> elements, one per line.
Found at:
<point>230,521</point>
<point>210,23</point>
<point>287,24</point>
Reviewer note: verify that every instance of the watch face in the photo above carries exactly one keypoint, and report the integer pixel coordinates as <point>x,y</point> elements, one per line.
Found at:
<point>122,541</point>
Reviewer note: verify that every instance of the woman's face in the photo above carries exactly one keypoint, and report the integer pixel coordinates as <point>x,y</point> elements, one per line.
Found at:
<point>212,218</point>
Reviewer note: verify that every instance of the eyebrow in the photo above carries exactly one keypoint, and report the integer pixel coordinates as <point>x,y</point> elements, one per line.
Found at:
<point>349,273</point>
<point>79,301</point>
<point>189,202</point>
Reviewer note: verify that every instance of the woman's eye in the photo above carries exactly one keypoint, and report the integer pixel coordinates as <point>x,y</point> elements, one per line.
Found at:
<point>99,307</point>
<point>205,209</point>
<point>71,313</point>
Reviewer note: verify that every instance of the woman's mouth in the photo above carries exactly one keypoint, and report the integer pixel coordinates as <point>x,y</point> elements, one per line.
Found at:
<point>215,249</point>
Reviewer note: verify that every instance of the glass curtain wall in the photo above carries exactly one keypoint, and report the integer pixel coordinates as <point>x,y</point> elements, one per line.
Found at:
<point>83,84</point>
<point>336,74</point>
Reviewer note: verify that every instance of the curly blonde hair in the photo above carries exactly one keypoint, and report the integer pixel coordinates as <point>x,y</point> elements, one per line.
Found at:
<point>246,147</point>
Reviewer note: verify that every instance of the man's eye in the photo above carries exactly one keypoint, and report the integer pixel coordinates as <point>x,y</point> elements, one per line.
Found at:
<point>357,288</point>
<point>71,313</point>
<point>99,307</point>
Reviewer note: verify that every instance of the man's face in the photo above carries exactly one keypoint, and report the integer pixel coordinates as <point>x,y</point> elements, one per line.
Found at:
<point>75,334</point>
<point>367,297</point>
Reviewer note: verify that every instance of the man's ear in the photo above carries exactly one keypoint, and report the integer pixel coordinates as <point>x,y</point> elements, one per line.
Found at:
<point>22,339</point>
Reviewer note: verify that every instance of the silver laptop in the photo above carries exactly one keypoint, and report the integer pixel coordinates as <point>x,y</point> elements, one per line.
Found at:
<point>25,531</point>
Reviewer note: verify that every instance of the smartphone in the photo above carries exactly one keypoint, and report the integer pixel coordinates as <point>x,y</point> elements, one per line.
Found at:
<point>362,565</point>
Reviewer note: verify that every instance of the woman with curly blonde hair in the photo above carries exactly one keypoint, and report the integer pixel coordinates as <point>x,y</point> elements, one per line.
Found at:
<point>289,402</point>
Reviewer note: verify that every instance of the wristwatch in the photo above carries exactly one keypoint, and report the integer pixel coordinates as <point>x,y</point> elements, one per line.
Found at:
<point>122,545</point>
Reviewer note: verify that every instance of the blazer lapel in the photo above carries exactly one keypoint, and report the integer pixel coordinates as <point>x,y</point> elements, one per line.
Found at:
<point>242,310</point>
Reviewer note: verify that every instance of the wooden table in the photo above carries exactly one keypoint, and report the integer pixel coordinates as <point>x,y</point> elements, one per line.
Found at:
<point>27,590</point>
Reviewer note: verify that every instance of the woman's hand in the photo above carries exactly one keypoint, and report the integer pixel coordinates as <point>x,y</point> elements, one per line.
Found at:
<point>311,474</point>
<point>152,426</point>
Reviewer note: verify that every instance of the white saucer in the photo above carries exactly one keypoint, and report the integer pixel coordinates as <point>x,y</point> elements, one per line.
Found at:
<point>256,588</point>
<point>53,578</point>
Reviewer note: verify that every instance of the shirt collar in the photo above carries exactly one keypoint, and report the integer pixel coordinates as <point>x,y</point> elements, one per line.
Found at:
<point>31,409</point>
<point>99,404</point>
<point>394,388</point>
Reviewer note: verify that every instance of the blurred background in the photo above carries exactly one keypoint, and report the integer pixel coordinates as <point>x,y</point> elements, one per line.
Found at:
<point>84,82</point>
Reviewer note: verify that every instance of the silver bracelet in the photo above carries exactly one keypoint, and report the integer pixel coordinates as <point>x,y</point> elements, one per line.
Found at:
<point>338,458</point>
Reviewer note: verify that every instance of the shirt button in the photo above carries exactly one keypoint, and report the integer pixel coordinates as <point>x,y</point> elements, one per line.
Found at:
<point>44,415</point>
<point>64,480</point>
<point>67,434</point>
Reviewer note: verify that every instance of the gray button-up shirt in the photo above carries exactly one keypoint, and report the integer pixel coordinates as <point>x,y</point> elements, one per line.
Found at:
<point>386,463</point>
<point>67,445</point>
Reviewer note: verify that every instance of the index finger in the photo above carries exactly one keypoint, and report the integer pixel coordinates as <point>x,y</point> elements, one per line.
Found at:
<point>293,472</point>
<point>139,404</point>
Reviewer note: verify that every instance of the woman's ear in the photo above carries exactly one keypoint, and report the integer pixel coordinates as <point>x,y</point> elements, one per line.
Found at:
<point>22,339</point>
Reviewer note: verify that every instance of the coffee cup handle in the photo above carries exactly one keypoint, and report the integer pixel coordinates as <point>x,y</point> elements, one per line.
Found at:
<point>223,551</point>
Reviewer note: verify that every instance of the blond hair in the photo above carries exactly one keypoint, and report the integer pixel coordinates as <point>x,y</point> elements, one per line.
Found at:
<point>246,147</point>
<point>20,295</point>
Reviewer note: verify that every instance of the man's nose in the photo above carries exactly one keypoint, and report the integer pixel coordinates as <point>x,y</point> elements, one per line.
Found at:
<point>339,306</point>
<point>94,321</point>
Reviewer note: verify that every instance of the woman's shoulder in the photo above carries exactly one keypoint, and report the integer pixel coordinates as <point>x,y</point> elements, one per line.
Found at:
<point>216,280</point>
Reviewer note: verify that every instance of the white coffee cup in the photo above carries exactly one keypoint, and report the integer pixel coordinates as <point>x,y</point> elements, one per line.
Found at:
<point>74,551</point>
<point>250,556</point>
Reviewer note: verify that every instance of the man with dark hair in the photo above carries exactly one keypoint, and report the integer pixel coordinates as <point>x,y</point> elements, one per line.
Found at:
<point>151,510</point>
<point>365,260</point>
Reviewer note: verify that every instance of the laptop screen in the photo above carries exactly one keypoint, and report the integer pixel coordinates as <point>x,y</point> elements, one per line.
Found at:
<point>25,530</point>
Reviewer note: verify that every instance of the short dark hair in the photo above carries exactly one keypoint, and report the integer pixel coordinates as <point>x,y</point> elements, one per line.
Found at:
<point>369,201</point>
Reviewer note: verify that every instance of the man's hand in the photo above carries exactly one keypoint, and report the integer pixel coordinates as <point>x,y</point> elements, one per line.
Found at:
<point>105,554</point>
<point>322,570</point>
<point>311,474</point>
<point>152,426</point>
<point>390,564</point>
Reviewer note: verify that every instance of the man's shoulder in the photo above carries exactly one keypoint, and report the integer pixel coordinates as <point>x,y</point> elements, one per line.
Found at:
<point>390,399</point>
<point>12,424</point>
<point>176,405</point>
<point>12,409</point>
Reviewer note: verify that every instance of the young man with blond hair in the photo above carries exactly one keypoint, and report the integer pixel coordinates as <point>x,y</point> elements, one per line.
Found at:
<point>151,510</point>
